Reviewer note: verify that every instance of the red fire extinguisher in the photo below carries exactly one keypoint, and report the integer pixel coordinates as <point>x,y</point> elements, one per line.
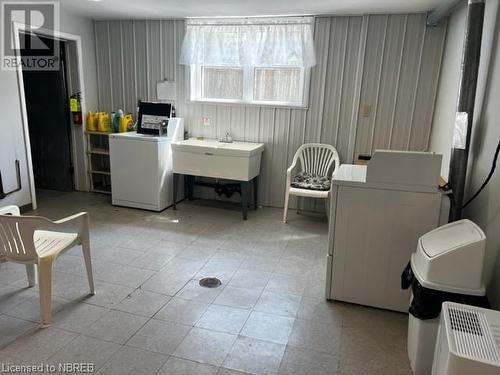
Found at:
<point>75,105</point>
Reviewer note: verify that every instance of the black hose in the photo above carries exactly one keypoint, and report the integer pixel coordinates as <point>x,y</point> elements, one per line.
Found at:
<point>492,170</point>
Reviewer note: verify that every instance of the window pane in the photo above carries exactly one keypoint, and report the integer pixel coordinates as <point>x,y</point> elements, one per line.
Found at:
<point>277,84</point>
<point>222,83</point>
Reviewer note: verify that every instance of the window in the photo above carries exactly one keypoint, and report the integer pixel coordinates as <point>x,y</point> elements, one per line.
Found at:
<point>253,85</point>
<point>254,61</point>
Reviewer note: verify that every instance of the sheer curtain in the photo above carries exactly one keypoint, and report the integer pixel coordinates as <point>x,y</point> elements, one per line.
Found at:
<point>249,42</point>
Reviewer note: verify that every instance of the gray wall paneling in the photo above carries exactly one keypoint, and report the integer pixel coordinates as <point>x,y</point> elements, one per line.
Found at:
<point>390,63</point>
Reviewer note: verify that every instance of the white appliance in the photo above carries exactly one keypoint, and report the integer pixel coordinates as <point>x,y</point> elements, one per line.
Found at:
<point>449,259</point>
<point>141,167</point>
<point>377,214</point>
<point>468,341</point>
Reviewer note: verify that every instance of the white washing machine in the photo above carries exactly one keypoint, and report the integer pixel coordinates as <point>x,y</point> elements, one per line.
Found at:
<point>141,168</point>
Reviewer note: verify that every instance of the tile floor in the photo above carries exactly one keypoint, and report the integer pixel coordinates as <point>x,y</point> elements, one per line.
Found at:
<point>150,316</point>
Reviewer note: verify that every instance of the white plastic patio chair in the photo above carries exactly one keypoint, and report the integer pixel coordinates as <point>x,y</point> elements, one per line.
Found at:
<point>35,240</point>
<point>316,159</point>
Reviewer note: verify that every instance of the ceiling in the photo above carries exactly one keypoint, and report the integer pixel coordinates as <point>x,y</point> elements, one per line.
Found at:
<point>159,9</point>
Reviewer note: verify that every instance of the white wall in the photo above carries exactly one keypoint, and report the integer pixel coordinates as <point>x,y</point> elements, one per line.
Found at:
<point>485,210</point>
<point>12,142</point>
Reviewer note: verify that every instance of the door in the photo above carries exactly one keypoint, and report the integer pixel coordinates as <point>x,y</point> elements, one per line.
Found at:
<point>49,125</point>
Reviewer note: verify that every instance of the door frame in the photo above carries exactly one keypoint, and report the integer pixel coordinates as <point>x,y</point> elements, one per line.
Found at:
<point>67,37</point>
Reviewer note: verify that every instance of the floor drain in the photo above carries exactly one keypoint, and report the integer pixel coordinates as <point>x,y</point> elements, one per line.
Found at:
<point>210,282</point>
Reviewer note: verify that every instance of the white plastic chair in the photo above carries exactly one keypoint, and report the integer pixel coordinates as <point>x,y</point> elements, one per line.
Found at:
<point>316,158</point>
<point>35,240</point>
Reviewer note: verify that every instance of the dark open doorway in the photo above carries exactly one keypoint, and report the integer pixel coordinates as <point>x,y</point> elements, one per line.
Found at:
<point>49,123</point>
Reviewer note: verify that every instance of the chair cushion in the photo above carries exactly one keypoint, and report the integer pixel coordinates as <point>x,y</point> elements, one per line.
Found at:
<point>311,181</point>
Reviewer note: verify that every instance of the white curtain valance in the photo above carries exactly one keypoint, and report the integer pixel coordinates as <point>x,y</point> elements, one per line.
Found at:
<point>249,42</point>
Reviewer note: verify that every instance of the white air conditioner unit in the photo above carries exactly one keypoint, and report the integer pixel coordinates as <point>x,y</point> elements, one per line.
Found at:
<point>468,341</point>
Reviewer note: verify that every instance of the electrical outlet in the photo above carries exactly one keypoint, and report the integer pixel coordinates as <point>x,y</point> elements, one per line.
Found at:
<point>206,121</point>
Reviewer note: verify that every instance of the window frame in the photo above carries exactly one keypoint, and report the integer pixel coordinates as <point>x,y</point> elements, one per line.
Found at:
<point>195,84</point>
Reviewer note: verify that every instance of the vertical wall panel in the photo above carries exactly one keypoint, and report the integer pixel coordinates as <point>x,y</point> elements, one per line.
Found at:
<point>128,63</point>
<point>116,64</point>
<point>400,62</point>
<point>370,86</point>
<point>410,70</point>
<point>389,82</point>
<point>141,63</point>
<point>427,87</point>
<point>348,86</point>
<point>103,66</point>
<point>334,73</point>
<point>318,80</point>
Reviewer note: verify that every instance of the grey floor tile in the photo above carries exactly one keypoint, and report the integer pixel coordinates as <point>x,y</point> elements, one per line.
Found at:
<point>113,273</point>
<point>114,254</point>
<point>11,328</point>
<point>224,319</point>
<point>30,308</point>
<point>183,267</point>
<point>278,303</point>
<point>107,295</point>
<point>77,317</point>
<point>142,302</point>
<point>205,346</point>
<point>226,371</point>
<point>193,291</point>
<point>255,356</point>
<point>268,327</point>
<point>259,263</point>
<point>133,361</point>
<point>32,346</point>
<point>321,310</point>
<point>10,296</point>
<point>294,266</point>
<point>179,366</point>
<point>152,260</point>
<point>305,362</point>
<point>166,283</point>
<point>287,284</point>
<point>250,279</point>
<point>182,311</point>
<point>116,326</point>
<point>85,349</point>
<point>317,336</point>
<point>13,272</point>
<point>159,336</point>
<point>198,252</point>
<point>238,297</point>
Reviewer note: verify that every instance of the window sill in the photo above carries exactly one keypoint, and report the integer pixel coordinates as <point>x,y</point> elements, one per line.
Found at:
<point>240,103</point>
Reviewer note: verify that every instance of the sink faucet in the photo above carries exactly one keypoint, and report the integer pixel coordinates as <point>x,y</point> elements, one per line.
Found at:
<point>227,138</point>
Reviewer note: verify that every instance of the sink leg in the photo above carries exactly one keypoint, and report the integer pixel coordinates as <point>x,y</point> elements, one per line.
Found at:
<point>256,192</point>
<point>176,183</point>
<point>190,187</point>
<point>245,192</point>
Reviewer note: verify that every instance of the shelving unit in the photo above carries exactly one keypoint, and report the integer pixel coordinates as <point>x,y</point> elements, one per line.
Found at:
<point>98,162</point>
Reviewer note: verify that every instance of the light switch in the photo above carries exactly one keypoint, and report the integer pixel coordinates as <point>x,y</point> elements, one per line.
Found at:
<point>366,110</point>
